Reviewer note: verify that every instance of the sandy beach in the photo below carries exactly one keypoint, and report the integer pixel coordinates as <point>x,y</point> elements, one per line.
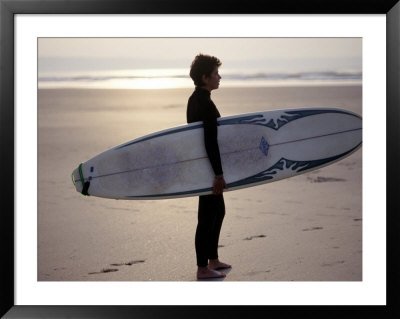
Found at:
<point>305,228</point>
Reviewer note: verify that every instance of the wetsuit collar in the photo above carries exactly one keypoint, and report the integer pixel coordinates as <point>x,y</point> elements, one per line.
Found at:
<point>203,91</point>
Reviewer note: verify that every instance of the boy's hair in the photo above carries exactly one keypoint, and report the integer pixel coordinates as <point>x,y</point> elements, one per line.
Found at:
<point>203,64</point>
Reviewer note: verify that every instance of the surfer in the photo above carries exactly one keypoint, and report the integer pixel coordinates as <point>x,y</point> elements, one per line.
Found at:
<point>211,209</point>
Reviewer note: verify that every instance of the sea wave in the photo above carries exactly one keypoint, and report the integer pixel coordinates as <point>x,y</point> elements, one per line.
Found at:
<point>259,76</point>
<point>162,79</point>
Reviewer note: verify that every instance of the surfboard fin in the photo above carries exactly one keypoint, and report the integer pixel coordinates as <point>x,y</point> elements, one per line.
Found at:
<point>85,189</point>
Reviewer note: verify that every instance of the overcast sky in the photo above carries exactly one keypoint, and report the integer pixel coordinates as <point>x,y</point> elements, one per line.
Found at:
<point>263,54</point>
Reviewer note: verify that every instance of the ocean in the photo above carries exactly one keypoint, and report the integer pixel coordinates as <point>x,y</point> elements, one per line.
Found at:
<point>179,78</point>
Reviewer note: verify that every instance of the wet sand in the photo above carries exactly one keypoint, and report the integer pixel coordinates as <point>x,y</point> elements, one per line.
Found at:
<point>306,228</point>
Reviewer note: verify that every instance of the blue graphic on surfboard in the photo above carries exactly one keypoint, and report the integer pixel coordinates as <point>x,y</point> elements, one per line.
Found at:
<point>256,148</point>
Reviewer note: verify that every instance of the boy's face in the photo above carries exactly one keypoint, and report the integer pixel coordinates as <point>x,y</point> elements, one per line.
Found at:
<point>212,82</point>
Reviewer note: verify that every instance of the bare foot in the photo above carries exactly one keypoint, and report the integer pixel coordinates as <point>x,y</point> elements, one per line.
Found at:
<point>205,273</point>
<point>216,264</point>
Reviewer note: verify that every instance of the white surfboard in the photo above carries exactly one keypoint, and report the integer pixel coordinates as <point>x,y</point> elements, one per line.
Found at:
<point>256,148</point>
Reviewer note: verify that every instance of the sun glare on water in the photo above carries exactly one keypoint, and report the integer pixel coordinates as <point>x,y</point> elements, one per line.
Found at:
<point>118,79</point>
<point>146,83</point>
<point>151,79</point>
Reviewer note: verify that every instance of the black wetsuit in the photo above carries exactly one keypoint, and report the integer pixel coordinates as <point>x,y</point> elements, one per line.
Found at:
<point>211,209</point>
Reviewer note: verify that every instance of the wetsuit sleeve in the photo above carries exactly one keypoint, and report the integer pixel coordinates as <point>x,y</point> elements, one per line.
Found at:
<point>211,136</point>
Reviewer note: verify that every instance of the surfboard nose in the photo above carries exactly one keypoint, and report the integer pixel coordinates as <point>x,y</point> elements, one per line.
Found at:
<point>81,184</point>
<point>76,180</point>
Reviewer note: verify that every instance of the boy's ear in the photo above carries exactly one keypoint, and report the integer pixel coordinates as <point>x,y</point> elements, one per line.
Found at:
<point>204,79</point>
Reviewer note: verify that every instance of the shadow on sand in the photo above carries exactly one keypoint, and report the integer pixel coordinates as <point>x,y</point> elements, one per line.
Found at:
<point>225,271</point>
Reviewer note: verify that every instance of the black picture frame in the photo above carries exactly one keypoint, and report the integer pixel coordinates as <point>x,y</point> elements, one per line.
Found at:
<point>8,8</point>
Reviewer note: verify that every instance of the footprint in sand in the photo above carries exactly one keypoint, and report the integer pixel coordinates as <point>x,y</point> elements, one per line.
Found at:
<point>252,237</point>
<point>130,263</point>
<point>312,228</point>
<point>103,271</point>
<point>253,273</point>
<point>321,179</point>
<point>106,270</point>
<point>333,263</point>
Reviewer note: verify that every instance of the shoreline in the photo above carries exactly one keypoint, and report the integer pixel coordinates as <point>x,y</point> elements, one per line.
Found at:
<point>303,85</point>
